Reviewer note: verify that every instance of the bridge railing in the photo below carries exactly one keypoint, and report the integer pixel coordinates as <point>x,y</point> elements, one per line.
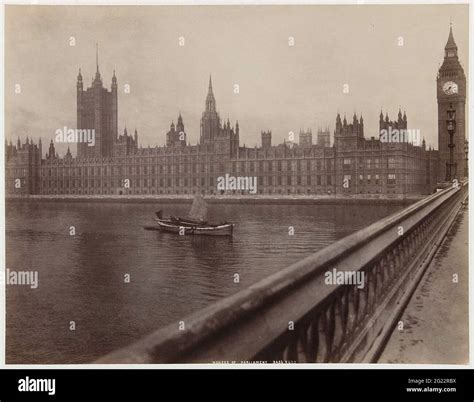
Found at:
<point>295,315</point>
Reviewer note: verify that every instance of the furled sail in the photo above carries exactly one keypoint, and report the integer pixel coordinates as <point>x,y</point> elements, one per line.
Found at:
<point>198,209</point>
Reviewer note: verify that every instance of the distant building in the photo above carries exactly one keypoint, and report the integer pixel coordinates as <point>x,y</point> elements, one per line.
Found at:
<point>384,164</point>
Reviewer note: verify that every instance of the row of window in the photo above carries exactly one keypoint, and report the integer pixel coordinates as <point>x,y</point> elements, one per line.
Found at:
<point>185,182</point>
<point>194,168</point>
<point>391,163</point>
<point>391,179</point>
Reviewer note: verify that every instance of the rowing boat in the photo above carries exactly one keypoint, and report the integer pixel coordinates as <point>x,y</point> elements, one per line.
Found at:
<point>183,228</point>
<point>195,223</point>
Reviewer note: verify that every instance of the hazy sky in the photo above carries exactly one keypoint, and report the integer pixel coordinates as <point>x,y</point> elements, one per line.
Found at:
<point>283,88</point>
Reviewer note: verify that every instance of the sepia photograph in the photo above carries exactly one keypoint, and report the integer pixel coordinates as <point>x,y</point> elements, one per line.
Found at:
<point>236,184</point>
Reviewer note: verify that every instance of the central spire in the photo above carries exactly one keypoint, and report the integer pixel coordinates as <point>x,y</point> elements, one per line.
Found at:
<point>210,84</point>
<point>210,100</point>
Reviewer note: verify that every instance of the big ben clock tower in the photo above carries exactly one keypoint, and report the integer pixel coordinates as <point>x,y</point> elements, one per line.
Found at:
<point>451,92</point>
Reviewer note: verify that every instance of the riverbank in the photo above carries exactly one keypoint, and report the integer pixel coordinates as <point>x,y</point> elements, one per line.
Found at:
<point>226,199</point>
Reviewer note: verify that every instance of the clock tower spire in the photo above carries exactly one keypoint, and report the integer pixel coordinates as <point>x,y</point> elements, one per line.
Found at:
<point>451,93</point>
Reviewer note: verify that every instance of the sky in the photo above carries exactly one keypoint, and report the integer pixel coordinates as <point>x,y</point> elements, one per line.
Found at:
<point>282,88</point>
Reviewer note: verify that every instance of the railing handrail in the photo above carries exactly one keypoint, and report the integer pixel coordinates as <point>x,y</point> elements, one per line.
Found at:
<point>169,343</point>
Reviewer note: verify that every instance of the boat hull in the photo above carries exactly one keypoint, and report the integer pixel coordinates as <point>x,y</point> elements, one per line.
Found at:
<point>225,229</point>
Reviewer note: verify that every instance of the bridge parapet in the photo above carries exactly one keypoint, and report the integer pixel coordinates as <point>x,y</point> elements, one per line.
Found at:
<point>295,316</point>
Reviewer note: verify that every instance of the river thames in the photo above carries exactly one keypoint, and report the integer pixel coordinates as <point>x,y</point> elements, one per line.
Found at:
<point>82,277</point>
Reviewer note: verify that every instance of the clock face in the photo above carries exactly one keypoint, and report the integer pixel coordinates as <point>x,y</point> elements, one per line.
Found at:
<point>450,88</point>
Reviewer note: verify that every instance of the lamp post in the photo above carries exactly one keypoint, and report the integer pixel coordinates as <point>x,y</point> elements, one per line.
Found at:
<point>451,126</point>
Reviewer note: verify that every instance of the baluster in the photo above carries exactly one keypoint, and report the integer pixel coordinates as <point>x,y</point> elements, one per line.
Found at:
<point>313,339</point>
<point>290,352</point>
<point>302,341</point>
<point>331,324</point>
<point>323,350</point>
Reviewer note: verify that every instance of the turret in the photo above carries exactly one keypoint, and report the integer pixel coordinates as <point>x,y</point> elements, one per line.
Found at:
<point>79,81</point>
<point>180,125</point>
<point>114,81</point>
<point>338,123</point>
<point>52,151</point>
<point>266,139</point>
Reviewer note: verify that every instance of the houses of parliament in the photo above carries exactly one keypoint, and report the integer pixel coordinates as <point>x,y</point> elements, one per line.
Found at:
<point>351,165</point>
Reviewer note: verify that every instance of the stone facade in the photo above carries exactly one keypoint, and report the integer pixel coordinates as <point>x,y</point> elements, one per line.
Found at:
<point>352,165</point>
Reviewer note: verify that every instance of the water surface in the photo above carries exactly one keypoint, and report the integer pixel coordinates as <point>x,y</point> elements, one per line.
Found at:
<point>81,277</point>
